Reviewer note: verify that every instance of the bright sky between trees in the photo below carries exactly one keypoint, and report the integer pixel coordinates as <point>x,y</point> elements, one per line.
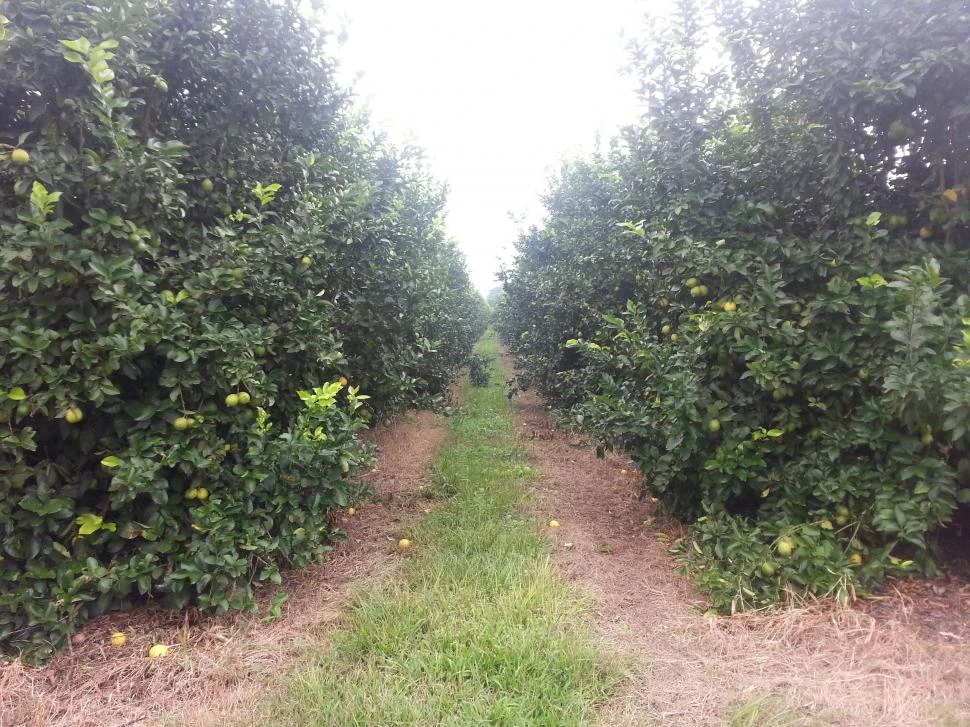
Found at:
<point>496,93</point>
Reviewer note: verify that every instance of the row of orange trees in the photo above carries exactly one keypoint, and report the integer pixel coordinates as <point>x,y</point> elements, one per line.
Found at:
<point>759,291</point>
<point>207,259</point>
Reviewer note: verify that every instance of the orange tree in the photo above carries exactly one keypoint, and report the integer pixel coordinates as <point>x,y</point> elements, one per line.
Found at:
<point>204,255</point>
<point>761,292</point>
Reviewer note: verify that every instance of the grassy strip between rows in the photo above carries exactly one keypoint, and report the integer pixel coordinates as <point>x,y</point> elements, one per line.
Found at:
<point>477,628</point>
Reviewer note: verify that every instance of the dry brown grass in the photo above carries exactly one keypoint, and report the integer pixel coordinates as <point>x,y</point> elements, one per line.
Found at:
<point>220,664</point>
<point>819,664</point>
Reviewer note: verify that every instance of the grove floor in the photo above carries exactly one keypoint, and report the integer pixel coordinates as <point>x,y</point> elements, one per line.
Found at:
<point>888,663</point>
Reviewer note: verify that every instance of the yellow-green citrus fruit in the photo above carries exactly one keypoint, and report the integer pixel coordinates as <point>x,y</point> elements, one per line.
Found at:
<point>244,398</point>
<point>202,494</point>
<point>927,439</point>
<point>768,569</point>
<point>161,85</point>
<point>691,283</point>
<point>182,423</point>
<point>897,221</point>
<point>207,185</point>
<point>703,289</point>
<point>227,448</point>
<point>666,330</point>
<point>899,130</point>
<point>118,638</point>
<point>158,651</point>
<point>855,559</point>
<point>191,494</point>
<point>20,157</point>
<point>232,400</point>
<point>351,511</point>
<point>785,547</point>
<point>842,515</point>
<point>695,291</point>
<point>403,543</point>
<point>730,306</point>
<point>714,425</point>
<point>553,523</point>
<point>674,336</point>
<point>73,415</point>
<point>306,260</point>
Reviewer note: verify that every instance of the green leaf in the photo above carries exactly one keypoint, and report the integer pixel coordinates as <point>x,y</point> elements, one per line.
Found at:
<point>81,45</point>
<point>111,462</point>
<point>17,394</point>
<point>88,523</point>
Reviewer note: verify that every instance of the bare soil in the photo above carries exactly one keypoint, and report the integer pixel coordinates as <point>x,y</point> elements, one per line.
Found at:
<point>903,659</point>
<point>219,666</point>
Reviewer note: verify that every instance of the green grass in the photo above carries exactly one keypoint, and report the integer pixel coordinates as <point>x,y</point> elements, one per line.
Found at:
<point>476,628</point>
<point>769,711</point>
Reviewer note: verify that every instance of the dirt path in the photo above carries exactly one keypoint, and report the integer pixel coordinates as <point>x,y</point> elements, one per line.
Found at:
<point>804,667</point>
<point>219,663</point>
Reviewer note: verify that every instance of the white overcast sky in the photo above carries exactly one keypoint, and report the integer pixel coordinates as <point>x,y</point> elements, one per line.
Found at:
<point>497,93</point>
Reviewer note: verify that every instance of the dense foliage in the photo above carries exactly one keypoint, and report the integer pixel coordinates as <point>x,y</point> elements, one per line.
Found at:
<point>760,291</point>
<point>206,261</point>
